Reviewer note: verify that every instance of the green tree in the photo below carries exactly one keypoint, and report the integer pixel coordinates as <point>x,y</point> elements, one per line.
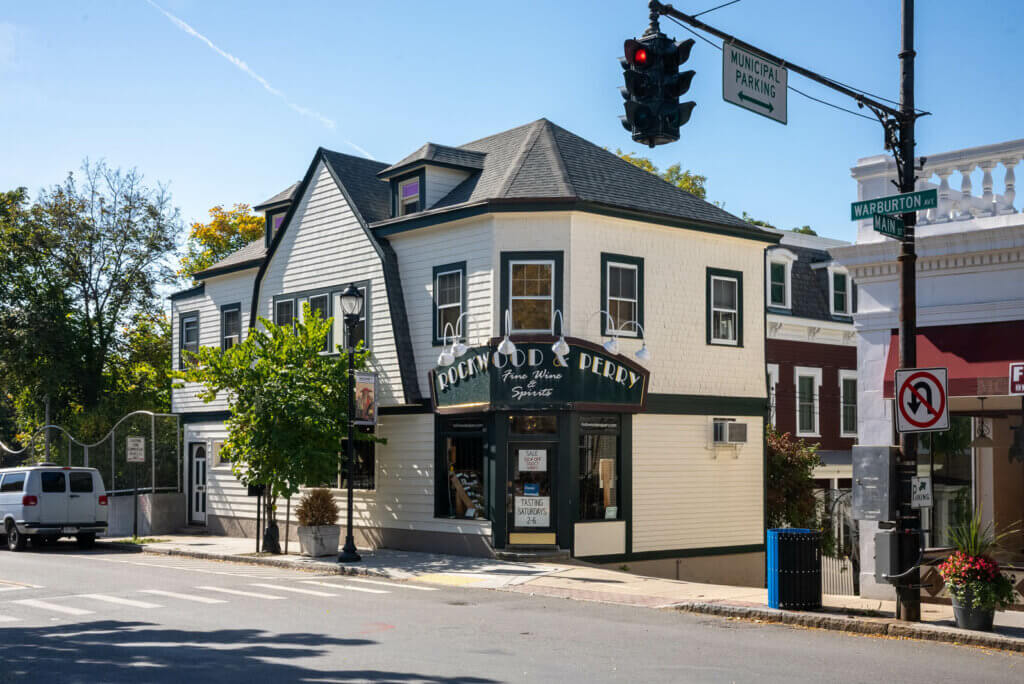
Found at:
<point>804,230</point>
<point>288,404</point>
<point>685,179</point>
<point>757,222</point>
<point>227,232</point>
<point>790,490</point>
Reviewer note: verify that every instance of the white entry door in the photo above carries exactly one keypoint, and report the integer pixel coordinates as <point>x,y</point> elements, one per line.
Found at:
<point>197,497</point>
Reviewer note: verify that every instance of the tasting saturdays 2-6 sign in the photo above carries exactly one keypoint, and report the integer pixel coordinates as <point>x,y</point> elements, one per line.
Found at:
<point>587,377</point>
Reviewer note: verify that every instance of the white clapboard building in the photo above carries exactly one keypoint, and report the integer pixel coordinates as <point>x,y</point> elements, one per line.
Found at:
<point>636,439</point>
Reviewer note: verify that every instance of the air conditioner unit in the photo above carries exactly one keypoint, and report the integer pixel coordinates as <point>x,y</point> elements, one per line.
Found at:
<point>737,433</point>
<point>728,431</point>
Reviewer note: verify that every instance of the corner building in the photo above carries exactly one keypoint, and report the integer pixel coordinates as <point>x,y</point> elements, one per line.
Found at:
<point>637,438</point>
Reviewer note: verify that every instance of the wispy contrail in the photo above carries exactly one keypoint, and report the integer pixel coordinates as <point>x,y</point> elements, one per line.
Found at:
<point>328,123</point>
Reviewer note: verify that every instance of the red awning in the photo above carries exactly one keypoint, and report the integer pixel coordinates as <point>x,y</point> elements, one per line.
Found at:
<point>977,355</point>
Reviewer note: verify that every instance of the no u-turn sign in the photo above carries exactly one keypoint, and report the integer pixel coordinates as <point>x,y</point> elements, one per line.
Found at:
<point>921,404</point>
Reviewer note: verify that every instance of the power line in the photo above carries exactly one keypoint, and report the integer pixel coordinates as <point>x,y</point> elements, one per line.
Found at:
<point>733,2</point>
<point>795,90</point>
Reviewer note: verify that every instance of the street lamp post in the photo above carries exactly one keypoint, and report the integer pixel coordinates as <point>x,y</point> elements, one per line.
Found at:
<point>351,305</point>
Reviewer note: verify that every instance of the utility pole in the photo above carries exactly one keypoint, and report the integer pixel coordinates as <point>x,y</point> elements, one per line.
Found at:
<point>908,591</point>
<point>898,125</point>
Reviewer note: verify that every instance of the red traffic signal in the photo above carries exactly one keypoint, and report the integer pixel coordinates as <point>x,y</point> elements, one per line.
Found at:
<point>636,53</point>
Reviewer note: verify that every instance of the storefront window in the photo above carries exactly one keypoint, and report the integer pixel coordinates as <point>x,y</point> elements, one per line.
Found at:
<point>599,468</point>
<point>950,465</point>
<point>464,453</point>
<point>533,425</point>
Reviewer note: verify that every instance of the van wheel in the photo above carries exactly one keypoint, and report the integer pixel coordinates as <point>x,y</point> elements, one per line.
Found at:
<point>86,540</point>
<point>15,539</point>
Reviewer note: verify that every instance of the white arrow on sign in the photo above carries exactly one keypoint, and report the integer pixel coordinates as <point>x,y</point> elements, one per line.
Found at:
<point>921,404</point>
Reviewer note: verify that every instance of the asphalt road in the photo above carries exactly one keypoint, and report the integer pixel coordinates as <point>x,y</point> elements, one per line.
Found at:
<point>101,616</point>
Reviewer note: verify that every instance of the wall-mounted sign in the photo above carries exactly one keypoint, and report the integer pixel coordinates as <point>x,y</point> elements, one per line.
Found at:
<point>135,449</point>
<point>366,398</point>
<point>533,460</point>
<point>1017,378</point>
<point>533,511</point>
<point>921,492</point>
<point>534,377</point>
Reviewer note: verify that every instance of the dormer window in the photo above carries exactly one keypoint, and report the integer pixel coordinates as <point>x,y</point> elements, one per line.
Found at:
<point>779,273</point>
<point>409,196</point>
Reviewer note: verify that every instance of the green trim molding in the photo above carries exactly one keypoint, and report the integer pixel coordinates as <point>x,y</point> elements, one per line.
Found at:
<point>738,276</point>
<point>705,405</point>
<point>638,262</point>
<point>676,553</point>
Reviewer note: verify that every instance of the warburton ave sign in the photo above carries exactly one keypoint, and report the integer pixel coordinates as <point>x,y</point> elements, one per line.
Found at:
<point>895,204</point>
<point>754,83</point>
<point>535,377</point>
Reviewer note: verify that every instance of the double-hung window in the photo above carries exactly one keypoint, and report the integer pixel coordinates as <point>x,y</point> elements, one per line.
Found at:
<point>319,305</point>
<point>189,339</point>
<point>725,307</point>
<point>848,402</point>
<point>840,292</point>
<point>778,284</point>
<point>408,200</point>
<point>284,312</point>
<point>622,291</point>
<point>449,301</point>
<point>531,295</point>
<point>230,325</point>
<point>808,395</point>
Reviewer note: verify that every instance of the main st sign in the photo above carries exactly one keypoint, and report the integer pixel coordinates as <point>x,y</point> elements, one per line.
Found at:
<point>534,377</point>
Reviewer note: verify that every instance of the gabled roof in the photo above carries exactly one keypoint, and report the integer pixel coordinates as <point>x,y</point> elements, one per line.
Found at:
<point>249,256</point>
<point>544,162</point>
<point>371,195</point>
<point>283,197</point>
<point>442,155</point>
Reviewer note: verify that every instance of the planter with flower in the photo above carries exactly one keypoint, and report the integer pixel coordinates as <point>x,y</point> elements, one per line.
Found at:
<point>318,515</point>
<point>976,585</point>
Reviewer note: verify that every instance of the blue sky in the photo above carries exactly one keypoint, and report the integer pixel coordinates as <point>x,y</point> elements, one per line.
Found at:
<point>123,81</point>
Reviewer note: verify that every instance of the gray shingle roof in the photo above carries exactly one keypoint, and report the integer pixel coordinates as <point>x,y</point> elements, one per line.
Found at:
<point>809,285</point>
<point>249,256</point>
<point>543,161</point>
<point>285,195</point>
<point>371,195</point>
<point>441,154</point>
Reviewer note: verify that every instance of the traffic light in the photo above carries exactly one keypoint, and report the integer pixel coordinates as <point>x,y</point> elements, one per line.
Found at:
<point>650,67</point>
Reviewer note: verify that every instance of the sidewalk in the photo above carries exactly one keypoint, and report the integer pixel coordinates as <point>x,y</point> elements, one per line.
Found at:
<point>581,582</point>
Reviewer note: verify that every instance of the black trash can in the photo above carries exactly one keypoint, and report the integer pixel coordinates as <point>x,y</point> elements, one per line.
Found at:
<point>794,569</point>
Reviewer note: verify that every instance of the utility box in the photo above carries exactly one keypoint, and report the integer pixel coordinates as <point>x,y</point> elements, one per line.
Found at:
<point>874,482</point>
<point>887,556</point>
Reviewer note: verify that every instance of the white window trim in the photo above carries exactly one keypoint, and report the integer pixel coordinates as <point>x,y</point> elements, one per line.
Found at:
<point>623,330</point>
<point>511,268</point>
<point>786,258</point>
<point>804,372</point>
<point>736,328</point>
<point>773,382</point>
<point>839,270</point>
<point>846,375</point>
<point>439,307</point>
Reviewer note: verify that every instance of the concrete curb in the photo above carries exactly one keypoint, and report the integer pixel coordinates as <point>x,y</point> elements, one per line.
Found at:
<point>856,625</point>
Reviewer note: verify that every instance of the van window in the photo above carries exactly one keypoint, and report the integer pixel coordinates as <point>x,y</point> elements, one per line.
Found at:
<point>81,483</point>
<point>13,482</point>
<point>52,482</point>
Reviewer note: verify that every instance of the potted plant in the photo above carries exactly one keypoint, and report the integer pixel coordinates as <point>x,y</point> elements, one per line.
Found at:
<point>318,529</point>
<point>975,583</point>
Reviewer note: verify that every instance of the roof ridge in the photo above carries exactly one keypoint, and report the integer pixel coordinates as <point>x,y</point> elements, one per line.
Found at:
<point>549,129</point>
<point>515,167</point>
<point>495,135</point>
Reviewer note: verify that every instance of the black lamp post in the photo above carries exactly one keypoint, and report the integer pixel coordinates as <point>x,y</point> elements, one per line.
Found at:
<point>351,305</point>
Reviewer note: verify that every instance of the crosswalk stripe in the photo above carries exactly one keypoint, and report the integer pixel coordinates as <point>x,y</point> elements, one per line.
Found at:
<point>342,586</point>
<point>389,584</point>
<point>294,589</point>
<point>34,603</point>
<point>183,597</point>
<point>251,594</point>
<point>120,601</point>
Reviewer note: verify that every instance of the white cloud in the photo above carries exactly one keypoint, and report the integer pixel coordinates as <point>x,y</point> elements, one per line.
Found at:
<point>241,65</point>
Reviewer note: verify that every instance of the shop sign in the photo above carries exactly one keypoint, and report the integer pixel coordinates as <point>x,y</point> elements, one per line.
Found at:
<point>533,460</point>
<point>366,399</point>
<point>533,511</point>
<point>1017,378</point>
<point>534,377</point>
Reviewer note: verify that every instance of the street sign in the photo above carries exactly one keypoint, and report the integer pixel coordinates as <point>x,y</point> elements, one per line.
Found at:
<point>754,83</point>
<point>921,404</point>
<point>135,449</point>
<point>889,225</point>
<point>921,492</point>
<point>895,204</point>
<point>1017,378</point>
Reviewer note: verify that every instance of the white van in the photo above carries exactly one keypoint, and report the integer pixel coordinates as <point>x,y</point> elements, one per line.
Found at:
<point>46,502</point>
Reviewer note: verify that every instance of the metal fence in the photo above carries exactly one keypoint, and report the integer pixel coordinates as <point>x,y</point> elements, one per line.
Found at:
<point>837,575</point>
<point>161,472</point>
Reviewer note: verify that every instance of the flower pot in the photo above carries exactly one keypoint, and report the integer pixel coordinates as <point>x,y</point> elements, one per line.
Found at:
<point>321,540</point>
<point>978,619</point>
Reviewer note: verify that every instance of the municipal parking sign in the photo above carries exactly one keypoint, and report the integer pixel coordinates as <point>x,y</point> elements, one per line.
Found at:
<point>921,404</point>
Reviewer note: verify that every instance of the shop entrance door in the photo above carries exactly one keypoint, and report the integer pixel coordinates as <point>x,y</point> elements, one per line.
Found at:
<point>533,493</point>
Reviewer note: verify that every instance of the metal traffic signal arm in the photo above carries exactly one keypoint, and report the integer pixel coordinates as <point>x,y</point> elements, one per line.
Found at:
<point>898,125</point>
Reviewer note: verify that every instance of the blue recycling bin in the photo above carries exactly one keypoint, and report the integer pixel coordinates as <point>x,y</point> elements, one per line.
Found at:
<point>794,569</point>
